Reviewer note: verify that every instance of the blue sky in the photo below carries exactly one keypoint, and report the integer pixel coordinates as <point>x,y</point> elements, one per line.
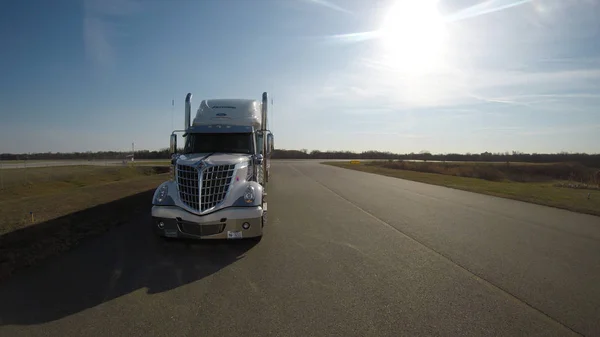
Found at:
<point>402,76</point>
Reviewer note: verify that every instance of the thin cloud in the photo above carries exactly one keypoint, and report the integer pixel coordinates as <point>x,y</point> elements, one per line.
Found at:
<point>483,8</point>
<point>351,38</point>
<point>397,134</point>
<point>501,100</point>
<point>379,133</point>
<point>560,130</point>
<point>551,96</point>
<point>330,5</point>
<point>514,78</point>
<point>499,128</point>
<point>99,30</point>
<point>96,38</point>
<point>549,102</point>
<point>464,114</point>
<point>362,84</point>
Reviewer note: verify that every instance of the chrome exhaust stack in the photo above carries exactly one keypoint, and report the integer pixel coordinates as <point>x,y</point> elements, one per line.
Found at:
<point>188,110</point>
<point>265,104</point>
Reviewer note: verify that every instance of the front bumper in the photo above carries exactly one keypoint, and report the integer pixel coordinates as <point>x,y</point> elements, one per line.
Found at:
<point>222,224</point>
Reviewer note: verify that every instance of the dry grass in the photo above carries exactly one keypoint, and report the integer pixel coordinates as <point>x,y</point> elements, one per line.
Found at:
<point>165,162</point>
<point>539,189</point>
<point>69,204</point>
<point>57,191</point>
<point>20,183</point>
<point>517,172</point>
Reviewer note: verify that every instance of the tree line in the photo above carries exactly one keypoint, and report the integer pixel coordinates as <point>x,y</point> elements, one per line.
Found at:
<point>591,160</point>
<point>89,155</point>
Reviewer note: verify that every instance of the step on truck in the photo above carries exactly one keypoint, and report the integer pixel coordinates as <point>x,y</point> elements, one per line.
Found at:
<point>217,187</point>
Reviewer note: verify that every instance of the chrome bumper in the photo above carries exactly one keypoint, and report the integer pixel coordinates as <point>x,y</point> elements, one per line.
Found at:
<point>222,224</point>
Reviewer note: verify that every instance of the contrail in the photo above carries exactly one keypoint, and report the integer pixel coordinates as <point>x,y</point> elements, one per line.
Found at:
<point>486,7</point>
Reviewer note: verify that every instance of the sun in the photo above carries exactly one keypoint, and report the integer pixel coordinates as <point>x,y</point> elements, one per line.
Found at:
<point>413,36</point>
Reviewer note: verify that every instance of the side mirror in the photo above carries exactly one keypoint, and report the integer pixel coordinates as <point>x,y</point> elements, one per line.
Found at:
<point>258,159</point>
<point>173,145</point>
<point>270,144</point>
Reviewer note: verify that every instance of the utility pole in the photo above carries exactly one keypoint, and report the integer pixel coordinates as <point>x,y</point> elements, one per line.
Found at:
<point>132,151</point>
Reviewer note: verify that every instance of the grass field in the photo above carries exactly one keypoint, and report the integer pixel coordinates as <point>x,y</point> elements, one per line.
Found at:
<point>165,162</point>
<point>51,192</point>
<point>535,183</point>
<point>69,203</point>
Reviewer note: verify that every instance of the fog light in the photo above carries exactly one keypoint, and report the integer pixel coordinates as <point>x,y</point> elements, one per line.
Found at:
<point>246,225</point>
<point>161,225</point>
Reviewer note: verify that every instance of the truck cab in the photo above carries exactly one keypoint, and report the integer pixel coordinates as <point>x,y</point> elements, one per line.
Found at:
<point>218,183</point>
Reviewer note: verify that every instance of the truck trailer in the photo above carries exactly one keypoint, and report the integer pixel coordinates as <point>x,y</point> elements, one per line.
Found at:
<point>217,187</point>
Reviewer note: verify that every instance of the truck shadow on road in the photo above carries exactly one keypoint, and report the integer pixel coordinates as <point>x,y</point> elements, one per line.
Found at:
<point>127,259</point>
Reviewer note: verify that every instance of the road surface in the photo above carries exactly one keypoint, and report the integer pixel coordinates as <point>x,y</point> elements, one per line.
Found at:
<point>345,254</point>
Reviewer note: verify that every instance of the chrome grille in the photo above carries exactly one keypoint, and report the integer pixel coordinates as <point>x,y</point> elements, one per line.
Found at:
<point>204,194</point>
<point>187,181</point>
<point>215,185</point>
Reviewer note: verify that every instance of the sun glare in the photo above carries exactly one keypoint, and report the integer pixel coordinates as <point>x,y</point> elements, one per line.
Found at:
<point>413,35</point>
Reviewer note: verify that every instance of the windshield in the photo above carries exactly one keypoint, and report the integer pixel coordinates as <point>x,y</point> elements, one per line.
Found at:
<point>219,142</point>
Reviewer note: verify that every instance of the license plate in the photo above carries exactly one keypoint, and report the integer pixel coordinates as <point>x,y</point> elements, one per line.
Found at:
<point>171,233</point>
<point>234,235</point>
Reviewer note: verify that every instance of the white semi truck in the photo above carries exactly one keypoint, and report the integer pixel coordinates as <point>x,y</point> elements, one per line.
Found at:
<point>218,183</point>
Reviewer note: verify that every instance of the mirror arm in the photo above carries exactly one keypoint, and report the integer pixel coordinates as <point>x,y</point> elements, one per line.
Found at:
<point>258,159</point>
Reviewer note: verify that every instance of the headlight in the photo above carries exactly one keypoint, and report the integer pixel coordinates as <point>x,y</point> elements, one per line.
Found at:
<point>162,193</point>
<point>249,195</point>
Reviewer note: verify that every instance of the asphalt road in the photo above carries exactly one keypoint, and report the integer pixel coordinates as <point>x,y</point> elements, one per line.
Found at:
<point>345,254</point>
